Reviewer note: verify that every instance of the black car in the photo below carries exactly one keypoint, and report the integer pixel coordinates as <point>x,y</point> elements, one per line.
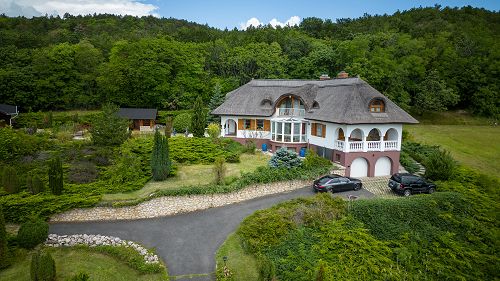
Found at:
<point>408,184</point>
<point>335,183</point>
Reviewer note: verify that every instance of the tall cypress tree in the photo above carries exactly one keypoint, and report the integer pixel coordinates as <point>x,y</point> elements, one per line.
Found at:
<point>199,118</point>
<point>160,160</point>
<point>56,175</point>
<point>217,99</point>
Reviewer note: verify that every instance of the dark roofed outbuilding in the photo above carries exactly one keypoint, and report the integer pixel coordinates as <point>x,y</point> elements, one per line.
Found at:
<point>7,113</point>
<point>141,118</point>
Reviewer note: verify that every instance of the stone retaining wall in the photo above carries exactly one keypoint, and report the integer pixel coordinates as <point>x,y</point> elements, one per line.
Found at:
<point>171,205</point>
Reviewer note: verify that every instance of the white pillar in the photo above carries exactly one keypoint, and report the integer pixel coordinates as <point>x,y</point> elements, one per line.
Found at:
<point>346,144</point>
<point>365,144</point>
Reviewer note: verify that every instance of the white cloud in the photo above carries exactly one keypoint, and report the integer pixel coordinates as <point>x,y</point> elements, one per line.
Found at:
<point>295,20</point>
<point>75,7</point>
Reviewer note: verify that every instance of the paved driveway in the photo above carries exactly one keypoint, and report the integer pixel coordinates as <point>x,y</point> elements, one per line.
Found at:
<point>188,242</point>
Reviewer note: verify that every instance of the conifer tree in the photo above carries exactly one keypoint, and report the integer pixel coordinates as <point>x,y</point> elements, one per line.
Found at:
<point>199,119</point>
<point>56,175</point>
<point>10,180</point>
<point>217,99</point>
<point>160,160</point>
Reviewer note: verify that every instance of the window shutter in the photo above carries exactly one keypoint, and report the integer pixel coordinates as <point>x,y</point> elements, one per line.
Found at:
<point>252,124</point>
<point>313,129</point>
<point>241,124</point>
<point>267,125</point>
<point>323,132</point>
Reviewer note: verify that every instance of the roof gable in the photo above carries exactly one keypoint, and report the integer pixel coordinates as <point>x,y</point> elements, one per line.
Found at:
<point>138,113</point>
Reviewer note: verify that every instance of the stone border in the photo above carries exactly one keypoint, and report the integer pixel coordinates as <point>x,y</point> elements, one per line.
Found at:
<point>172,205</point>
<point>91,240</point>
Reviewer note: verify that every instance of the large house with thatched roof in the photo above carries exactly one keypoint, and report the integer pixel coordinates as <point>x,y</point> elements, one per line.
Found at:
<point>343,119</point>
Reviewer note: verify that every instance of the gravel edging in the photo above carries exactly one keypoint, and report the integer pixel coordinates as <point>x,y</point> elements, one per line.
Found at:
<point>172,205</point>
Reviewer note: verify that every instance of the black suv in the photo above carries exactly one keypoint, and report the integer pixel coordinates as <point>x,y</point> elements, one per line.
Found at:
<point>407,184</point>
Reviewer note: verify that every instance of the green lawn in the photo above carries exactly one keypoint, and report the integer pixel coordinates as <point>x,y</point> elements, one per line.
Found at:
<point>474,146</point>
<point>193,175</point>
<point>242,266</point>
<point>70,261</point>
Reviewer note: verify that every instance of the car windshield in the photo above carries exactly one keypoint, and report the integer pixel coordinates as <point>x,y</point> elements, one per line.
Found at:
<point>396,177</point>
<point>324,180</point>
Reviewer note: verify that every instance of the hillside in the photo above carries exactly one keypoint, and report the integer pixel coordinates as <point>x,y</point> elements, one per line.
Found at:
<point>425,59</point>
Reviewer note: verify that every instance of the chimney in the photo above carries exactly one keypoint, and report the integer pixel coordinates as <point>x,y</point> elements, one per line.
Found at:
<point>324,77</point>
<point>343,74</point>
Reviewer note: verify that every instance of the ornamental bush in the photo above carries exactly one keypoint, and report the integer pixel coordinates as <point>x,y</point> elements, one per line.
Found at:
<point>213,131</point>
<point>10,180</point>
<point>56,175</point>
<point>219,170</point>
<point>108,128</point>
<point>34,183</point>
<point>313,160</point>
<point>32,233</point>
<point>4,250</point>
<point>284,158</point>
<point>439,165</point>
<point>43,267</point>
<point>160,160</point>
<point>199,118</point>
<point>182,122</point>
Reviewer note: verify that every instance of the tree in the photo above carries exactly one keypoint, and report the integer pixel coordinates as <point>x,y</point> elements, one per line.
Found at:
<point>56,175</point>
<point>217,99</point>
<point>434,95</point>
<point>108,128</point>
<point>169,124</point>
<point>213,131</point>
<point>199,119</point>
<point>34,183</point>
<point>4,250</point>
<point>284,158</point>
<point>219,170</point>
<point>160,160</point>
<point>10,180</point>
<point>32,232</point>
<point>43,267</point>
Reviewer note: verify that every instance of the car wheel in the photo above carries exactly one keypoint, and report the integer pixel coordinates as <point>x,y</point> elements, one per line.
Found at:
<point>431,190</point>
<point>407,193</point>
<point>357,186</point>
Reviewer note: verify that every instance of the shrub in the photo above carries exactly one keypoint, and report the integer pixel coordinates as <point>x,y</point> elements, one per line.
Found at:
<point>43,267</point>
<point>34,183</point>
<point>10,180</point>
<point>14,144</point>
<point>169,126</point>
<point>250,146</point>
<point>219,170</point>
<point>407,162</point>
<point>32,233</point>
<point>56,175</point>
<point>213,131</point>
<point>82,276</point>
<point>439,165</point>
<point>160,160</point>
<point>108,128</point>
<point>182,122</point>
<point>284,158</point>
<point>199,118</point>
<point>4,250</point>
<point>312,160</point>
<point>82,172</point>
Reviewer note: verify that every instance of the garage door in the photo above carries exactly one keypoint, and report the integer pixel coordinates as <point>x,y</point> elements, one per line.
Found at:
<point>359,168</point>
<point>383,167</point>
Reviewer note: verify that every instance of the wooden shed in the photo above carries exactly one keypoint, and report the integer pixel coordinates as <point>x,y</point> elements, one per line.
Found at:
<point>142,119</point>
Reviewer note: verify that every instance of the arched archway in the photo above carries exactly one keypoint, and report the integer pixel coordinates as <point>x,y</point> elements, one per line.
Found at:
<point>340,134</point>
<point>359,168</point>
<point>391,135</point>
<point>383,167</point>
<point>373,135</point>
<point>230,128</point>
<point>356,135</point>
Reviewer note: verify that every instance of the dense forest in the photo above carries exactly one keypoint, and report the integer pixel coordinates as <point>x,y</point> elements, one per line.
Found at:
<point>425,59</point>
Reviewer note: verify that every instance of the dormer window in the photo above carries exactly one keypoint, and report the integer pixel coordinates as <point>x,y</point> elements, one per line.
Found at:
<point>291,106</point>
<point>377,106</point>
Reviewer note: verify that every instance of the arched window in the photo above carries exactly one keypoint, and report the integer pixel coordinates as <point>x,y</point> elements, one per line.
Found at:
<point>377,106</point>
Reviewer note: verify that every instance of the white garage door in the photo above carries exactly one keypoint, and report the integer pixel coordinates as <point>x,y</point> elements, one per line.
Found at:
<point>359,168</point>
<point>383,167</point>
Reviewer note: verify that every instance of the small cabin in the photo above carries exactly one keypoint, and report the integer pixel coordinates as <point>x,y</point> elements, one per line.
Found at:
<point>141,119</point>
<point>7,113</point>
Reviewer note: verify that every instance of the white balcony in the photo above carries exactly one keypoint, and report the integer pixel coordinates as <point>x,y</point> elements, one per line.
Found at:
<point>360,146</point>
<point>390,145</point>
<point>373,145</point>
<point>291,112</point>
<point>355,146</point>
<point>339,145</point>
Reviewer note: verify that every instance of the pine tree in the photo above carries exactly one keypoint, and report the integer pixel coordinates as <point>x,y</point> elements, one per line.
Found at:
<point>199,119</point>
<point>10,180</point>
<point>217,99</point>
<point>56,175</point>
<point>4,250</point>
<point>160,160</point>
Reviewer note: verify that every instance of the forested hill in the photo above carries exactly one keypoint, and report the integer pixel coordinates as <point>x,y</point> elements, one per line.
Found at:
<point>424,59</point>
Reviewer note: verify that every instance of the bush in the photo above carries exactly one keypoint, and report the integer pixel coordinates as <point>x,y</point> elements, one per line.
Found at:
<point>10,180</point>
<point>182,122</point>
<point>108,128</point>
<point>407,162</point>
<point>199,118</point>
<point>250,147</point>
<point>43,267</point>
<point>219,170</point>
<point>82,276</point>
<point>82,172</point>
<point>14,144</point>
<point>213,131</point>
<point>56,175</point>
<point>284,158</point>
<point>313,160</point>
<point>5,260</point>
<point>32,233</point>
<point>439,165</point>
<point>34,183</point>
<point>160,160</point>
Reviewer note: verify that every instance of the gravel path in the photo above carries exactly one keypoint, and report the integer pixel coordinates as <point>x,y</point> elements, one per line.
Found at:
<point>188,242</point>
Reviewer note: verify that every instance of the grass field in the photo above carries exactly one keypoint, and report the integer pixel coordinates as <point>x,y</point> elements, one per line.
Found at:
<point>474,146</point>
<point>70,261</point>
<point>198,174</point>
<point>245,265</point>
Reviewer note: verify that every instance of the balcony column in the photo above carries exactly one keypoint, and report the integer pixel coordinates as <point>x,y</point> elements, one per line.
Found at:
<point>365,144</point>
<point>346,144</point>
<point>382,144</point>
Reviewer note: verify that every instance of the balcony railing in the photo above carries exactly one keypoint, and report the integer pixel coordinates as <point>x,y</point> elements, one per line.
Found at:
<point>359,146</point>
<point>291,112</point>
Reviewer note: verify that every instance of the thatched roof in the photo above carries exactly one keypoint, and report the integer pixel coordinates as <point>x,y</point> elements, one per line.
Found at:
<point>344,101</point>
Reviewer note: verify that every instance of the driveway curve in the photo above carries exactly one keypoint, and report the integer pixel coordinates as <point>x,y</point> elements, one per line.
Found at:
<point>187,242</point>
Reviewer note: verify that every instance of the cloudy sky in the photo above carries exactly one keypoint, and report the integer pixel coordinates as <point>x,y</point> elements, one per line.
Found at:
<point>227,13</point>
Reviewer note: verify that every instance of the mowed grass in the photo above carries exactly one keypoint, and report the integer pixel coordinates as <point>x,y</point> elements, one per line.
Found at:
<point>199,174</point>
<point>71,261</point>
<point>474,146</point>
<point>242,266</point>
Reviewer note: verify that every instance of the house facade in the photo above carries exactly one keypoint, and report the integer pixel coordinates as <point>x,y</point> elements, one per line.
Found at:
<point>344,120</point>
<point>141,119</point>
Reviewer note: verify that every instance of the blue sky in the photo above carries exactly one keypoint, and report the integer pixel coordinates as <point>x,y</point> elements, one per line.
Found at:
<point>227,13</point>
